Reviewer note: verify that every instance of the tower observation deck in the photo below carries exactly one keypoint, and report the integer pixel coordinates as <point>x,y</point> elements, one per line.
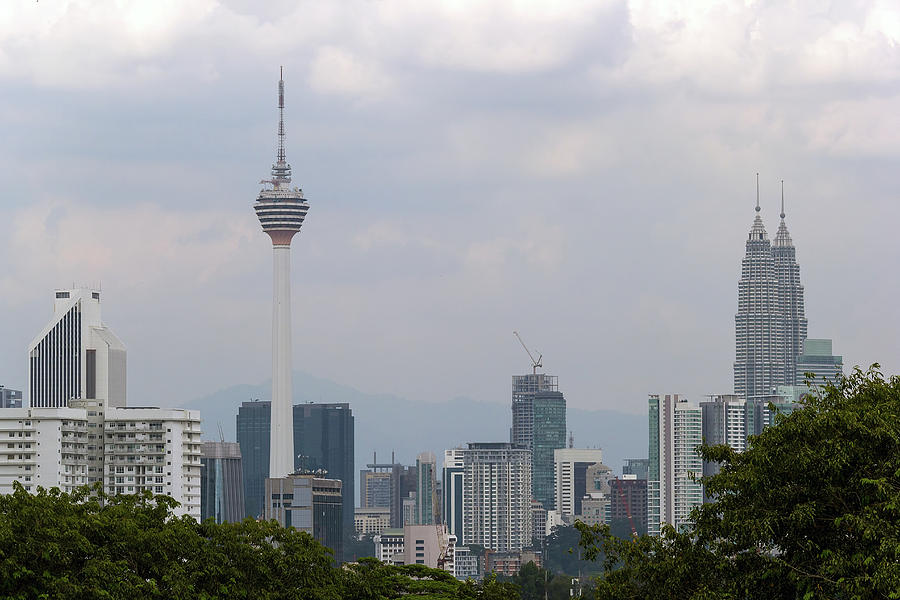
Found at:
<point>281,209</point>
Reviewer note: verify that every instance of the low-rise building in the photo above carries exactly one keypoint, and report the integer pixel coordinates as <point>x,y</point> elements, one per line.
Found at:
<point>429,545</point>
<point>372,521</point>
<point>10,398</point>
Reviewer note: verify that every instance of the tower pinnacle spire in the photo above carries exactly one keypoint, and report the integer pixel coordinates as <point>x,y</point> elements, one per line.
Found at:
<point>757,191</point>
<point>281,170</point>
<point>782,199</point>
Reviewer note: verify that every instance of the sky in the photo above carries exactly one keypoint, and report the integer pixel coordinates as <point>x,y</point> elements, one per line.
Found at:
<point>581,172</point>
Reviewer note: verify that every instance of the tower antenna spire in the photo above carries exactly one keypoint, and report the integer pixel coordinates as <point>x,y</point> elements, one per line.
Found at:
<point>782,198</point>
<point>281,170</point>
<point>757,191</point>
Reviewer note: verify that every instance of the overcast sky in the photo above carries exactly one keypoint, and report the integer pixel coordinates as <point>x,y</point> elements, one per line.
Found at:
<point>580,172</point>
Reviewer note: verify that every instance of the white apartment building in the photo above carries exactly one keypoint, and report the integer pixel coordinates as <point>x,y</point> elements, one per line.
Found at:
<point>429,545</point>
<point>156,450</point>
<point>675,432</point>
<point>130,449</point>
<point>497,496</point>
<point>75,356</point>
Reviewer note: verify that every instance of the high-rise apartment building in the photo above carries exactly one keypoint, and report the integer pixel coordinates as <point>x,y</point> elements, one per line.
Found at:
<point>724,423</point>
<point>496,496</point>
<point>390,485</point>
<point>539,424</point>
<point>131,450</point>
<point>222,491</point>
<point>452,491</point>
<point>10,398</point>
<point>311,504</point>
<point>674,487</point>
<point>281,209</point>
<point>427,508</point>
<point>76,356</point>
<point>323,441</point>
<point>770,324</point>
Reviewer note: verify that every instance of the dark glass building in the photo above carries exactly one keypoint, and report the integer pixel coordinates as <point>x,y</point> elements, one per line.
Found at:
<point>323,441</point>
<point>311,504</point>
<point>549,435</point>
<point>221,482</point>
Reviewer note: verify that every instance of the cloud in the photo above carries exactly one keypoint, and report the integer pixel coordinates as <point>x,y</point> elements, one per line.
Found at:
<point>338,71</point>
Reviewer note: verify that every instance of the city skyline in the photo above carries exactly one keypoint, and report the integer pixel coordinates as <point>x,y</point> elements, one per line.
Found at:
<point>423,255</point>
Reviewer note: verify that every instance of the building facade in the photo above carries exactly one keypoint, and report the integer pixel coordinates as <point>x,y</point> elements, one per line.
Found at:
<point>628,502</point>
<point>571,467</point>
<point>427,508</point>
<point>392,485</point>
<point>452,491</point>
<point>10,398</point>
<point>371,521</point>
<point>76,356</point>
<point>131,450</point>
<point>770,324</point>
<point>817,359</point>
<point>496,496</point>
<point>539,425</point>
<point>323,441</point>
<point>674,488</point>
<point>222,489</point>
<point>311,504</point>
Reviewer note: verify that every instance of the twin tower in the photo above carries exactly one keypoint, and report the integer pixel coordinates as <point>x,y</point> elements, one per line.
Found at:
<point>281,209</point>
<point>770,325</point>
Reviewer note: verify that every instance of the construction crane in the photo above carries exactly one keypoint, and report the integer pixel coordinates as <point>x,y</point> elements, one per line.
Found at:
<point>535,364</point>
<point>442,556</point>
<point>634,533</point>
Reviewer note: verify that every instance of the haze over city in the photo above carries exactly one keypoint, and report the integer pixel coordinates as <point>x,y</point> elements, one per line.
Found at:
<point>582,173</point>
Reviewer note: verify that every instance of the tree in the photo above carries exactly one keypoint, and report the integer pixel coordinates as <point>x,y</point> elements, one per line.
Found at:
<point>810,510</point>
<point>563,554</point>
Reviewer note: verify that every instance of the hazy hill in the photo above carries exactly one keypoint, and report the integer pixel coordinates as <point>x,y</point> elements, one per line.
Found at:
<point>386,423</point>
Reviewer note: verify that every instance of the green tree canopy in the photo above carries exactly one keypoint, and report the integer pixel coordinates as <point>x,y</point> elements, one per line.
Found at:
<point>810,510</point>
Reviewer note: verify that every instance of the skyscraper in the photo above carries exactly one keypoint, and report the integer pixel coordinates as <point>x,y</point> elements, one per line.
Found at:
<point>281,209</point>
<point>323,440</point>
<point>452,490</point>
<point>673,487</point>
<point>817,358</point>
<point>539,424</point>
<point>770,324</point>
<point>75,355</point>
<point>496,502</point>
<point>222,490</point>
<point>426,489</point>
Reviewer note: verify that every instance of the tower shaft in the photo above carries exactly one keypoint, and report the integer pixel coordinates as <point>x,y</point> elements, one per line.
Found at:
<point>281,460</point>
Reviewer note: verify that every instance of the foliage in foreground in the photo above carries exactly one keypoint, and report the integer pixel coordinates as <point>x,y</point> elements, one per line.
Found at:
<point>56,545</point>
<point>810,510</point>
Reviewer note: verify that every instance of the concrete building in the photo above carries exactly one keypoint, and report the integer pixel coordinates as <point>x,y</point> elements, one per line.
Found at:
<point>154,449</point>
<point>222,488</point>
<point>371,521</point>
<point>389,484</point>
<point>507,564</point>
<point>675,432</point>
<point>818,360</point>
<point>770,324</point>
<point>130,450</point>
<point>311,504</point>
<point>429,545</point>
<point>390,547</point>
<point>76,356</point>
<point>323,435</point>
<point>10,398</point>
<point>409,509</point>
<point>539,425</point>
<point>496,496</point>
<point>452,491</point>
<point>538,522</point>
<point>628,502</point>
<point>281,209</point>
<point>427,508</point>
<point>466,564</point>
<point>724,421</point>
<point>571,469</point>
